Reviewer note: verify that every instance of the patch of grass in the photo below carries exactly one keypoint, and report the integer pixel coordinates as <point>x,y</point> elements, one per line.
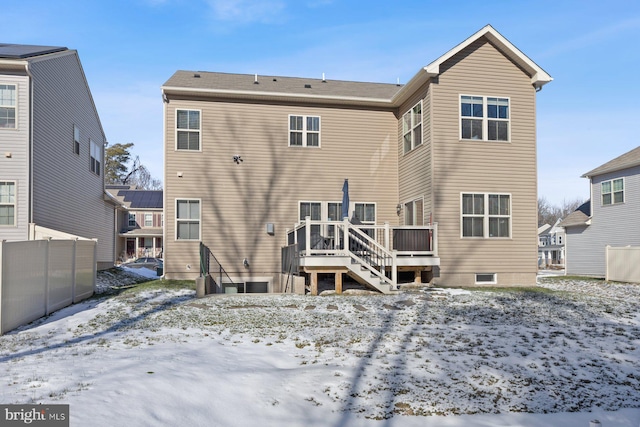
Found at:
<point>510,289</point>
<point>554,279</point>
<point>160,284</point>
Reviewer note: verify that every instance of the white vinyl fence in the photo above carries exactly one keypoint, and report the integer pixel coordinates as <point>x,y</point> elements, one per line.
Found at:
<point>38,277</point>
<point>623,264</point>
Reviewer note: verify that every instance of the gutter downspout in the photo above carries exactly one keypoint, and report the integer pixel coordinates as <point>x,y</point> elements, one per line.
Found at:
<point>30,155</point>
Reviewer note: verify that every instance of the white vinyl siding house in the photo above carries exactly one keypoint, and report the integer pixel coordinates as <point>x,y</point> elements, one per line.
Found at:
<point>611,218</point>
<point>53,108</point>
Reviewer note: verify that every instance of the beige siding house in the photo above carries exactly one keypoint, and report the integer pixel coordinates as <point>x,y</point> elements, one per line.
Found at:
<point>441,174</point>
<point>51,150</point>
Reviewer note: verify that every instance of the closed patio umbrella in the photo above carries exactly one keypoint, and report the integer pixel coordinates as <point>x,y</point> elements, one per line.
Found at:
<point>345,199</point>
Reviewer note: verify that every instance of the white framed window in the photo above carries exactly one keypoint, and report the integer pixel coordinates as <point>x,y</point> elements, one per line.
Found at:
<point>484,118</point>
<point>365,212</point>
<point>7,106</point>
<point>188,130</point>
<point>412,127</point>
<point>612,191</point>
<point>414,212</point>
<point>187,219</point>
<point>334,211</point>
<point>304,131</point>
<point>7,203</point>
<point>148,220</point>
<point>132,219</point>
<point>486,278</point>
<point>312,209</point>
<point>95,156</point>
<point>485,215</point>
<point>76,139</point>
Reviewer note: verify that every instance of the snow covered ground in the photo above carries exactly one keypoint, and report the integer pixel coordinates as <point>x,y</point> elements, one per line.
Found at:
<point>155,355</point>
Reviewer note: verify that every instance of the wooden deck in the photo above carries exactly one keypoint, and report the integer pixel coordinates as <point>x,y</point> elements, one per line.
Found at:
<point>371,254</point>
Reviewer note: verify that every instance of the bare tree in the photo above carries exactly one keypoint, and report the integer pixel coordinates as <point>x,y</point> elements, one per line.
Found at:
<point>550,214</point>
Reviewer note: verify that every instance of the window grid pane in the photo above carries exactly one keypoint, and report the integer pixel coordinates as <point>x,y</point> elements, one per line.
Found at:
<point>188,219</point>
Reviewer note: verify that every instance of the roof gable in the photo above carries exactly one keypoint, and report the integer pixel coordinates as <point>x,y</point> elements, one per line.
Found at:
<point>627,160</point>
<point>539,77</point>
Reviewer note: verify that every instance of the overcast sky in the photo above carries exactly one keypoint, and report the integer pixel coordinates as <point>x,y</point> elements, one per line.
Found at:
<point>588,115</point>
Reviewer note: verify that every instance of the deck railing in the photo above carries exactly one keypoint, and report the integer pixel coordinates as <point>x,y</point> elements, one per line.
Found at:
<point>329,237</point>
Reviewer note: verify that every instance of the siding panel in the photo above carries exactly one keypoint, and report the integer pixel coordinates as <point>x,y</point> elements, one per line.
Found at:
<point>481,166</point>
<point>67,195</point>
<point>16,167</point>
<point>238,200</point>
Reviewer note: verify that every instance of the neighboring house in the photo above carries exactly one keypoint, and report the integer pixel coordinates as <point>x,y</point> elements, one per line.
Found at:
<point>609,218</point>
<point>139,222</point>
<point>551,245</point>
<point>249,157</point>
<point>51,150</point>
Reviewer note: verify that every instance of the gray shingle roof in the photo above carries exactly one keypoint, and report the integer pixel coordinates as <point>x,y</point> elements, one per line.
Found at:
<point>625,161</point>
<point>578,217</point>
<point>270,85</point>
<point>23,51</point>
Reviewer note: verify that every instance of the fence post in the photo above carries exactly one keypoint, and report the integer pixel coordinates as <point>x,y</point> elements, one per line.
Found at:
<point>74,270</point>
<point>46,277</point>
<point>2,242</point>
<point>606,263</point>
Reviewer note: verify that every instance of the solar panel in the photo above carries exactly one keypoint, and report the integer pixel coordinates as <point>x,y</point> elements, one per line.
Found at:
<point>21,51</point>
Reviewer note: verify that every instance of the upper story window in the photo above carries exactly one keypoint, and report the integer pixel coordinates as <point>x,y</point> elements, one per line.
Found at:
<point>486,215</point>
<point>96,157</point>
<point>188,130</point>
<point>613,191</point>
<point>412,127</point>
<point>148,220</point>
<point>132,219</point>
<point>8,106</point>
<point>7,203</point>
<point>188,219</point>
<point>304,131</point>
<point>484,118</point>
<point>76,139</point>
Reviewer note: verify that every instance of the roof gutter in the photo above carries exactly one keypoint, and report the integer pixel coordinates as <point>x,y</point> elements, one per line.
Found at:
<point>384,102</point>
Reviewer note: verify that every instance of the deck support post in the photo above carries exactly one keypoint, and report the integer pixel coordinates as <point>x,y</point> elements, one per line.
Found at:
<point>338,282</point>
<point>417,276</point>
<point>314,283</point>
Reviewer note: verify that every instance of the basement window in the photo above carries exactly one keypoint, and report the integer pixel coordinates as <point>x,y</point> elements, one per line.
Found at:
<point>486,279</point>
